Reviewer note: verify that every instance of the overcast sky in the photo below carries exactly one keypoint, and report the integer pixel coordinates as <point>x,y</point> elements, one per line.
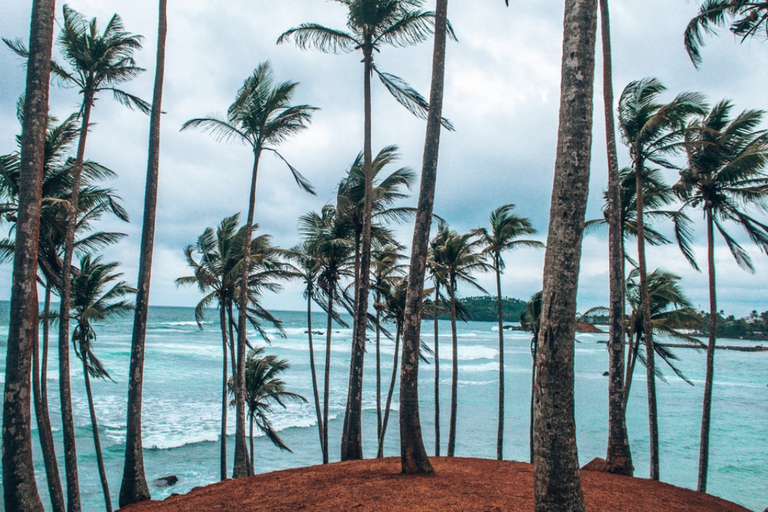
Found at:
<point>502,94</point>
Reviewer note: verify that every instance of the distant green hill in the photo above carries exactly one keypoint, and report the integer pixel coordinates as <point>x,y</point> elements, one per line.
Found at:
<point>483,309</point>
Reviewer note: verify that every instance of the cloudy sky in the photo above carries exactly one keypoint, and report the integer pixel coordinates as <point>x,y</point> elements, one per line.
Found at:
<point>502,94</point>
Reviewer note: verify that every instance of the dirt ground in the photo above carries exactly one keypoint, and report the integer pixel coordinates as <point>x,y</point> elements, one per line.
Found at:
<point>458,485</point>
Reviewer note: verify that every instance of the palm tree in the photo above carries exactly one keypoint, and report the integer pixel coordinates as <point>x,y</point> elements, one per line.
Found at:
<point>557,483</point>
<point>395,301</point>
<point>413,456</point>
<point>95,298</point>
<point>327,236</point>
<point>725,174</point>
<point>748,18</point>
<point>261,117</point>
<point>437,272</point>
<point>530,320</point>
<point>671,313</point>
<point>20,487</point>
<point>652,131</point>
<point>216,274</point>
<point>619,455</point>
<point>99,62</point>
<point>371,24</point>
<point>461,258</point>
<point>506,228</point>
<point>263,389</point>
<point>134,485</point>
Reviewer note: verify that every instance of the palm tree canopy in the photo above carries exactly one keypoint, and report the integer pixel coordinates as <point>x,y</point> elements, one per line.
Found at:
<point>372,24</point>
<point>98,61</point>
<point>506,228</point>
<point>747,17</point>
<point>95,298</point>
<point>261,116</point>
<point>726,173</point>
<point>461,255</point>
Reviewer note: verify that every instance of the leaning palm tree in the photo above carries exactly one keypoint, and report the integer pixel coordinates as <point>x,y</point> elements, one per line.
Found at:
<point>652,131</point>
<point>506,228</point>
<point>748,17</point>
<point>134,484</point>
<point>261,117</point>
<point>216,274</point>
<point>99,62</point>
<point>436,270</point>
<point>462,257</point>
<point>263,390</point>
<point>327,236</point>
<point>96,298</point>
<point>726,174</point>
<point>19,485</point>
<point>395,302</point>
<point>371,24</point>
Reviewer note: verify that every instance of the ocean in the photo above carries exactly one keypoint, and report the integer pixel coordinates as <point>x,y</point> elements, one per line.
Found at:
<point>182,405</point>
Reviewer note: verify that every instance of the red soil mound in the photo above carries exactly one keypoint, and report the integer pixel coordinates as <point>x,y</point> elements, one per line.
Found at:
<point>460,485</point>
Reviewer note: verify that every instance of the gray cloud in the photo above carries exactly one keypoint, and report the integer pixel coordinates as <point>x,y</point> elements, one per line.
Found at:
<point>502,93</point>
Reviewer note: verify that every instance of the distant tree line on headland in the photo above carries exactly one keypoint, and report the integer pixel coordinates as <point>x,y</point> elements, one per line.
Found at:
<point>483,309</point>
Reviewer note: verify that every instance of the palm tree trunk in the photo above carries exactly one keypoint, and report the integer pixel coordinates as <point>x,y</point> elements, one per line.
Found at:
<point>327,382</point>
<point>500,431</point>
<point>314,371</point>
<point>65,390</point>
<point>391,391</point>
<point>253,453</point>
<point>378,368</point>
<point>437,374</point>
<point>650,366</point>
<point>634,347</point>
<point>710,378</point>
<point>134,484</point>
<point>413,456</point>
<point>557,482</point>
<point>242,468</point>
<point>619,456</point>
<point>39,390</point>
<point>532,426</point>
<point>224,378</point>
<point>454,372</point>
<point>19,485</point>
<point>95,429</point>
<point>352,439</point>
<point>232,357</point>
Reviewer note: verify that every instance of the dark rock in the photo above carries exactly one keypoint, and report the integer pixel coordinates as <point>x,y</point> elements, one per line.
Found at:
<point>165,481</point>
<point>606,374</point>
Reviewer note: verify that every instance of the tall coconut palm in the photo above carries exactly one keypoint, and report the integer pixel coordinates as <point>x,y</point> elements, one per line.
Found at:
<point>619,455</point>
<point>99,62</point>
<point>328,237</point>
<point>462,257</point>
<point>413,456</point>
<point>56,189</point>
<point>506,228</point>
<point>216,274</point>
<point>530,321</point>
<point>748,17</point>
<point>436,269</point>
<point>725,175</point>
<point>19,485</point>
<point>652,130</point>
<point>371,24</point>
<point>263,390</point>
<point>557,483</point>
<point>95,298</point>
<point>261,117</point>
<point>134,485</point>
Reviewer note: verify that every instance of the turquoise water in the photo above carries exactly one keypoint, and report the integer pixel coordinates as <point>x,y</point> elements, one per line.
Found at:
<point>182,405</point>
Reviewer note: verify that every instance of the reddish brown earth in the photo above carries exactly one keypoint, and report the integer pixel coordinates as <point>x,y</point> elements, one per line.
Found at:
<point>459,485</point>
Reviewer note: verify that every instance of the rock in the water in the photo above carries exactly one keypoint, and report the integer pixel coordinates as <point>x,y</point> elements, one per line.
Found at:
<point>596,464</point>
<point>165,481</point>
<point>606,374</point>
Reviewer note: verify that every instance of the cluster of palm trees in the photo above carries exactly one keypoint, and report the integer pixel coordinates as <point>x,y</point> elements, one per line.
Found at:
<point>54,198</point>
